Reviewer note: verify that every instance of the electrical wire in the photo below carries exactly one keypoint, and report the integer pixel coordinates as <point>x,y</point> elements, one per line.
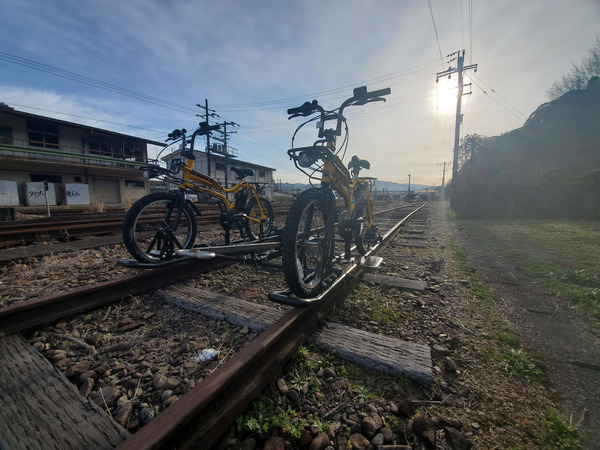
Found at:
<point>437,38</point>
<point>92,82</point>
<point>510,108</point>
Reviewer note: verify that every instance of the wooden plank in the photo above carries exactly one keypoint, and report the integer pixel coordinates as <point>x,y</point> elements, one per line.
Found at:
<point>411,285</point>
<point>389,355</point>
<point>384,354</point>
<point>222,307</point>
<point>414,259</point>
<point>41,409</point>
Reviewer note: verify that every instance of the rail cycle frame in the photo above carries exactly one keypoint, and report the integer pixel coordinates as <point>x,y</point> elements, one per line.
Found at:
<point>161,223</point>
<point>307,241</point>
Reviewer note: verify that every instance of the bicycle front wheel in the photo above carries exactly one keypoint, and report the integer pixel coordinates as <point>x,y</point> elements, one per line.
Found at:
<point>307,243</point>
<point>148,228</point>
<point>261,229</point>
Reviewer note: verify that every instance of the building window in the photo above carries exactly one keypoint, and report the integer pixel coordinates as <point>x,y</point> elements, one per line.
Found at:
<point>262,174</point>
<point>77,179</point>
<point>6,135</point>
<point>134,184</point>
<point>42,134</point>
<point>101,148</point>
<point>116,149</point>
<point>221,166</point>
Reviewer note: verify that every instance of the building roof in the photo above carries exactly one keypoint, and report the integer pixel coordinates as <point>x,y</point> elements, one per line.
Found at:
<point>5,109</point>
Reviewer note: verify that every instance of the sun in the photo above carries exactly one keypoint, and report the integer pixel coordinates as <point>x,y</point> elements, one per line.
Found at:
<point>446,95</point>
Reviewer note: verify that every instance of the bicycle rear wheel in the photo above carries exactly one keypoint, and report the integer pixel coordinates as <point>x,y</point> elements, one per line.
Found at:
<point>307,243</point>
<point>263,229</point>
<point>148,228</point>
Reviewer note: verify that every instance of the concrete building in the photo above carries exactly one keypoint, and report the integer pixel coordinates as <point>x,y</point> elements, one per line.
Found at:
<point>79,164</point>
<point>220,170</point>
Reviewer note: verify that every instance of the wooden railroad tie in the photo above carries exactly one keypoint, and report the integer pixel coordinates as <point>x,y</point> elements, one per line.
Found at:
<point>390,280</point>
<point>41,408</point>
<point>389,355</point>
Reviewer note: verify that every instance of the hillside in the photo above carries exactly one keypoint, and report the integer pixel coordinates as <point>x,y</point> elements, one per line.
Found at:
<point>553,161</point>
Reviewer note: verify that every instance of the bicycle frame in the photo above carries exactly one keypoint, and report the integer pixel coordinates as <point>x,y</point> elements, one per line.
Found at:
<point>213,188</point>
<point>338,177</point>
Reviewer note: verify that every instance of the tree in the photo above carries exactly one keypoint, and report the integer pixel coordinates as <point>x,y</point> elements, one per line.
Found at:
<point>580,74</point>
<point>470,145</point>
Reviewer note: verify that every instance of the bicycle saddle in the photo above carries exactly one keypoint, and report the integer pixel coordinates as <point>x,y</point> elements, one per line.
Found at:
<point>356,164</point>
<point>242,172</point>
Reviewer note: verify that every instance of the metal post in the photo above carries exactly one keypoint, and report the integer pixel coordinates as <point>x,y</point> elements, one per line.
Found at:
<point>46,196</point>
<point>207,138</point>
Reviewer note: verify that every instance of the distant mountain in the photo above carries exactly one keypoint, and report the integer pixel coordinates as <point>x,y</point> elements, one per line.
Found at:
<point>379,186</point>
<point>393,187</point>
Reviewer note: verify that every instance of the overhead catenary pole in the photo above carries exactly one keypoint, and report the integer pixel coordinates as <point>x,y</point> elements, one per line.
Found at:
<point>207,138</point>
<point>206,116</point>
<point>442,193</point>
<point>459,70</point>
<point>225,151</point>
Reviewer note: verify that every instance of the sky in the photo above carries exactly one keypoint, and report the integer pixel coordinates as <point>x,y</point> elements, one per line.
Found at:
<point>140,67</point>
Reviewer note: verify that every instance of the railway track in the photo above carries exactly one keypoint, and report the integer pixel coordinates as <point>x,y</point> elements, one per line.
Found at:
<point>199,417</point>
<point>73,226</point>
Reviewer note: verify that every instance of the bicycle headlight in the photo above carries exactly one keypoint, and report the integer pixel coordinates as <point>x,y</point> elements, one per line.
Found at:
<point>305,160</point>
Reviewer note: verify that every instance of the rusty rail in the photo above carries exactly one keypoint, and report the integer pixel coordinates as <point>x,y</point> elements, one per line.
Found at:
<point>202,415</point>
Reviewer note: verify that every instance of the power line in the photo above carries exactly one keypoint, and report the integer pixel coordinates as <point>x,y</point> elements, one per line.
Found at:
<point>436,33</point>
<point>87,118</point>
<point>92,82</point>
<point>510,105</point>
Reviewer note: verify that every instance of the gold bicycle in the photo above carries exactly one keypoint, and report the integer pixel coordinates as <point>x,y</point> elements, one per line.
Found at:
<point>161,223</point>
<point>307,241</point>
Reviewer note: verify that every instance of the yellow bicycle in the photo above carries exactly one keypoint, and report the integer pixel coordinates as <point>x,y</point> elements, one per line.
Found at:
<point>307,241</point>
<point>161,223</point>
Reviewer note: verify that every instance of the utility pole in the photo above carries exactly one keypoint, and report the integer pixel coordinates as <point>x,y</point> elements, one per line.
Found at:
<point>225,149</point>
<point>442,193</point>
<point>208,113</point>
<point>459,70</point>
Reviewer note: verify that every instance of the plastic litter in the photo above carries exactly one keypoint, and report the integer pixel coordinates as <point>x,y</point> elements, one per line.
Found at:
<point>208,354</point>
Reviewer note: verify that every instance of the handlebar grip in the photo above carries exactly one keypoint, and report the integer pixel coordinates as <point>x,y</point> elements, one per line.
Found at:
<point>362,96</point>
<point>380,93</point>
<point>305,110</point>
<point>175,134</point>
<point>205,128</point>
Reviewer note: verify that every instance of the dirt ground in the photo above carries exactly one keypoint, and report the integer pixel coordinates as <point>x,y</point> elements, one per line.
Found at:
<point>551,330</point>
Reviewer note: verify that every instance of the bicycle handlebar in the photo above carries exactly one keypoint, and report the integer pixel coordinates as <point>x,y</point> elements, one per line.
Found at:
<point>305,110</point>
<point>360,96</point>
<point>204,129</point>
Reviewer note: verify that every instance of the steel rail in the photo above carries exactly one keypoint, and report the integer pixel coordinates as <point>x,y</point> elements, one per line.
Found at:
<point>44,310</point>
<point>200,417</point>
<point>16,231</point>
